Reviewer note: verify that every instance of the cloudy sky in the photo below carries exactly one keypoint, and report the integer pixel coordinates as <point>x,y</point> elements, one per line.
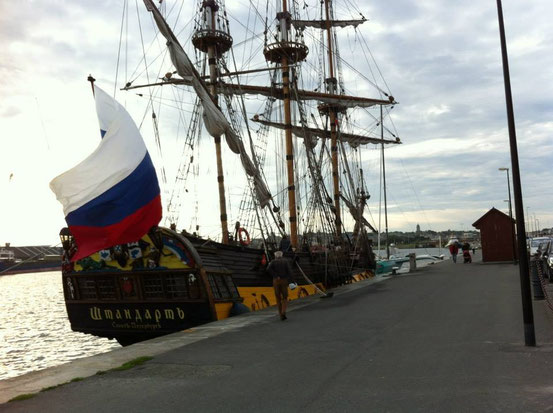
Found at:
<point>441,60</point>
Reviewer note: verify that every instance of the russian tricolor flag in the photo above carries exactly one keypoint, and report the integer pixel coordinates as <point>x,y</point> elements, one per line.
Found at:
<point>112,197</point>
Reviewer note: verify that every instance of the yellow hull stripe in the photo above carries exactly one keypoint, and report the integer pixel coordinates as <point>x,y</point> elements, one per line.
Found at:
<point>258,298</point>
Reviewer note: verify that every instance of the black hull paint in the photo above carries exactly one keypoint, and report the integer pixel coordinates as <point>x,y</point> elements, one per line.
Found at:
<point>133,322</point>
<point>136,305</point>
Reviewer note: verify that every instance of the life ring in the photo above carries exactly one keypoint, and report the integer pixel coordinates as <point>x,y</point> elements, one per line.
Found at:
<point>243,236</point>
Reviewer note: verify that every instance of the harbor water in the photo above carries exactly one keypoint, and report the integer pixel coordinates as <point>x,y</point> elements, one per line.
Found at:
<point>34,329</point>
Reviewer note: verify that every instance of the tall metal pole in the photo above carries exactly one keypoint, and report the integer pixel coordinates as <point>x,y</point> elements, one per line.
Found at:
<point>524,274</point>
<point>511,216</point>
<point>384,184</point>
<point>528,220</point>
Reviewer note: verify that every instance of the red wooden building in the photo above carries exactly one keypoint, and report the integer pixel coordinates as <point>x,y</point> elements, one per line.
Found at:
<point>497,235</point>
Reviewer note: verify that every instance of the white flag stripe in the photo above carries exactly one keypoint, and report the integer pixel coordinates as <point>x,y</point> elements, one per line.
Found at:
<point>107,108</point>
<point>118,154</point>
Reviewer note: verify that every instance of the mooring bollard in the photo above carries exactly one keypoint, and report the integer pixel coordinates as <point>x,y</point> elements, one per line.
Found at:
<point>412,262</point>
<point>536,282</point>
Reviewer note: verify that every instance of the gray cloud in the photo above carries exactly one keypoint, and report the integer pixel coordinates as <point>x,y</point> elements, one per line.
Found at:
<point>9,111</point>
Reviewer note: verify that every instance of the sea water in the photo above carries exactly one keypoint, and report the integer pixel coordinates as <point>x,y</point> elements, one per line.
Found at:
<point>34,330</point>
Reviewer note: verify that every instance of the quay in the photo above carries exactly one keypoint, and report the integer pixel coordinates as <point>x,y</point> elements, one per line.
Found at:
<point>445,338</point>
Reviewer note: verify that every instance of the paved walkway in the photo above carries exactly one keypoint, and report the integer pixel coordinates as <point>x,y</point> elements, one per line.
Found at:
<point>448,338</point>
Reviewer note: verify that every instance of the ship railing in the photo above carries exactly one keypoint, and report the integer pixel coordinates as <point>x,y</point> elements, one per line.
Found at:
<point>139,286</point>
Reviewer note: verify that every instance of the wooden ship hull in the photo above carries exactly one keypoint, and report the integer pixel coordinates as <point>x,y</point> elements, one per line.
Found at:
<point>167,282</point>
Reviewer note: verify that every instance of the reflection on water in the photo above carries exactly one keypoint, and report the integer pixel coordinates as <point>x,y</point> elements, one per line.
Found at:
<point>34,329</point>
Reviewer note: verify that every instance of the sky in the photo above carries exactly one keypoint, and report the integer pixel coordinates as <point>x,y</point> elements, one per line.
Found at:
<point>441,60</point>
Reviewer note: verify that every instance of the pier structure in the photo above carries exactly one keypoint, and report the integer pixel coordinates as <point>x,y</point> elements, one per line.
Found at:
<point>444,338</point>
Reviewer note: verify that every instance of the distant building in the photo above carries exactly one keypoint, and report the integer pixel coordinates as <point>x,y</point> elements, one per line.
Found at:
<point>497,236</point>
<point>418,229</point>
<point>33,251</point>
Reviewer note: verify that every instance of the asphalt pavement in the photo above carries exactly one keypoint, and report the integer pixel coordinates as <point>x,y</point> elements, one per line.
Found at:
<point>446,338</point>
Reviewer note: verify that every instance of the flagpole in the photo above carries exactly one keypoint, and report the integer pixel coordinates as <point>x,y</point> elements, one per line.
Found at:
<point>91,80</point>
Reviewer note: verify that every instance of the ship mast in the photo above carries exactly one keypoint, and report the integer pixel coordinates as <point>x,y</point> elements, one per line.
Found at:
<point>214,42</point>
<point>384,184</point>
<point>331,84</point>
<point>284,22</point>
<point>287,52</point>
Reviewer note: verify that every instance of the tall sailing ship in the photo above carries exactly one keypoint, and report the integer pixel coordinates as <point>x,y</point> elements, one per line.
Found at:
<point>294,137</point>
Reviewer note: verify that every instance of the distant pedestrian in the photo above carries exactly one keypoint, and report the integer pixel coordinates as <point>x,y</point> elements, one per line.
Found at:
<point>454,250</point>
<point>467,259</point>
<point>281,271</point>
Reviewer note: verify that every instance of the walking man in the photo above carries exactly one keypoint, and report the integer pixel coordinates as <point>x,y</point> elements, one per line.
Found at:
<point>281,271</point>
<point>454,250</point>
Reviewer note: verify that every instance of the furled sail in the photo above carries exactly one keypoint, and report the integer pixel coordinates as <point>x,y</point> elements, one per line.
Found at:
<point>321,24</point>
<point>214,120</point>
<point>300,131</point>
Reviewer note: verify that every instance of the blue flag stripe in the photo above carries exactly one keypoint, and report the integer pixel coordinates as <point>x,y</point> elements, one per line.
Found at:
<point>120,201</point>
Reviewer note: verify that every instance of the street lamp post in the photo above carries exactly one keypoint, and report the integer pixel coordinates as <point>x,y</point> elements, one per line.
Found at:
<point>511,215</point>
<point>524,273</point>
<point>528,220</point>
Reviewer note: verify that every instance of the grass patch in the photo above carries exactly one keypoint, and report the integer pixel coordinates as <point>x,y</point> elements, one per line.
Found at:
<point>22,397</point>
<point>125,366</point>
<point>51,387</point>
<point>133,363</point>
<point>62,384</point>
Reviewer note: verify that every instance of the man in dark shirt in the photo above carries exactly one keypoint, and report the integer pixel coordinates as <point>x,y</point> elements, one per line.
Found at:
<point>281,271</point>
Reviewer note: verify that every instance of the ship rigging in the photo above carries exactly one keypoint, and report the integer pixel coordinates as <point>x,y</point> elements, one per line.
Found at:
<point>321,176</point>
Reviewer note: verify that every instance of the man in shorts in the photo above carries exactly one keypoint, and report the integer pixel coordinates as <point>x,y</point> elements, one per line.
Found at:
<point>281,271</point>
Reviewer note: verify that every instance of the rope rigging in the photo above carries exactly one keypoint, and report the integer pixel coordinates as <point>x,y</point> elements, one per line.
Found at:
<point>312,166</point>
